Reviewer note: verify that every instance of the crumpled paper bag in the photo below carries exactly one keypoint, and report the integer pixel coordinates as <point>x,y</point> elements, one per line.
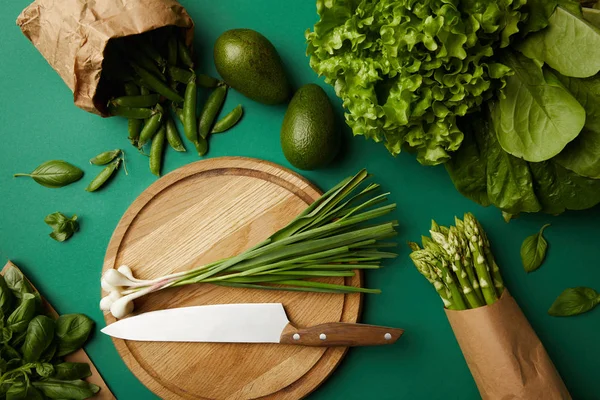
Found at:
<point>72,36</point>
<point>505,356</point>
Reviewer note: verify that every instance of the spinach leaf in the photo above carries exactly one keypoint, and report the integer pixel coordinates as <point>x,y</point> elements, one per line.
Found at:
<point>61,389</point>
<point>555,187</point>
<point>70,371</point>
<point>40,334</point>
<point>533,250</point>
<point>537,117</point>
<point>582,155</point>
<point>574,301</point>
<point>72,330</point>
<point>19,319</point>
<point>569,45</point>
<point>467,167</point>
<point>23,391</point>
<point>44,369</point>
<point>63,227</point>
<point>6,297</point>
<point>55,174</point>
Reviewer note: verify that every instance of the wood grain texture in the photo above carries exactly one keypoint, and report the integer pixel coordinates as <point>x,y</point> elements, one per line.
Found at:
<point>78,356</point>
<point>200,213</point>
<point>340,334</point>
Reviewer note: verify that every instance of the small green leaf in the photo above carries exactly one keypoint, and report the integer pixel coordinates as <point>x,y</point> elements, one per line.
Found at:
<point>55,174</point>
<point>72,330</point>
<point>19,319</point>
<point>63,226</point>
<point>70,371</point>
<point>533,250</point>
<point>40,333</point>
<point>44,369</point>
<point>574,301</point>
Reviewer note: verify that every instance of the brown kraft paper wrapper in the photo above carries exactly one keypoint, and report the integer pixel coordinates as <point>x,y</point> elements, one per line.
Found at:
<point>72,35</point>
<point>505,356</point>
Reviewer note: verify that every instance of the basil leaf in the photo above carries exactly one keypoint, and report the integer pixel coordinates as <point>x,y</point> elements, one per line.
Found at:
<point>569,45</point>
<point>62,389</point>
<point>547,117</point>
<point>18,339</point>
<point>533,250</point>
<point>6,335</point>
<point>10,354</point>
<point>19,319</point>
<point>55,174</point>
<point>17,283</point>
<point>23,391</point>
<point>6,298</point>
<point>63,226</point>
<point>72,330</point>
<point>70,371</point>
<point>574,301</point>
<point>49,353</point>
<point>40,334</point>
<point>44,369</point>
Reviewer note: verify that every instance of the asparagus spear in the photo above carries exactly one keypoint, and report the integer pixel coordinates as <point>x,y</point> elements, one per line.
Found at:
<point>491,261</point>
<point>475,241</point>
<point>468,258</point>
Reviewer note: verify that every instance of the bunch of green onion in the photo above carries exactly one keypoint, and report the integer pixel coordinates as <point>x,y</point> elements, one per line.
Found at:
<point>459,263</point>
<point>330,238</point>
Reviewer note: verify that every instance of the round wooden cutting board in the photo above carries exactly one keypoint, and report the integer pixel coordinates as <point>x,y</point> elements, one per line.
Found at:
<point>200,213</point>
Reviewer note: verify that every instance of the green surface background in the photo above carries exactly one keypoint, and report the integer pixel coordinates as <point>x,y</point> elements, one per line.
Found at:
<point>38,122</point>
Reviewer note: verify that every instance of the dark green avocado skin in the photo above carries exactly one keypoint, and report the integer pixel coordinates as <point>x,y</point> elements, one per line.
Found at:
<point>250,64</point>
<point>309,138</point>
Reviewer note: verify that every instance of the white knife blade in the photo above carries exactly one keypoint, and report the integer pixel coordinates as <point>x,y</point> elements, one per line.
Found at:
<point>244,323</point>
<point>231,323</point>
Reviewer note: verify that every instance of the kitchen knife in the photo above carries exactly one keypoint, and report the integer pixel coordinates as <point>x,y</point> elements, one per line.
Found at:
<point>244,323</point>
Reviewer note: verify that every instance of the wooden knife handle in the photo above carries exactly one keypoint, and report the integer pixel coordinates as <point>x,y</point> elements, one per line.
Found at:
<point>340,334</point>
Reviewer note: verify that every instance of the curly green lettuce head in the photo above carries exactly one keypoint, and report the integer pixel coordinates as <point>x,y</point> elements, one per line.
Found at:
<point>405,69</point>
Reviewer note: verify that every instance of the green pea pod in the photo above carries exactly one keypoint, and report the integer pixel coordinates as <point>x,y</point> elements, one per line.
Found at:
<point>179,112</point>
<point>172,50</point>
<point>149,49</point>
<point>207,81</point>
<point>144,90</point>
<point>179,74</point>
<point>151,127</point>
<point>156,150</point>
<point>190,127</point>
<point>106,157</point>
<point>201,146</point>
<point>144,61</point>
<point>185,56</point>
<point>173,135</point>
<point>228,121</point>
<point>157,84</point>
<point>130,112</point>
<point>134,126</point>
<point>211,110</point>
<point>148,100</point>
<point>103,176</point>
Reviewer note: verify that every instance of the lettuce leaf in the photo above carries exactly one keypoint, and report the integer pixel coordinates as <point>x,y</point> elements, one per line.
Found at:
<point>406,69</point>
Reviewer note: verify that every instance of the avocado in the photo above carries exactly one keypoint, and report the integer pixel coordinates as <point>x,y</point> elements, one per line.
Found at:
<point>249,63</point>
<point>309,138</point>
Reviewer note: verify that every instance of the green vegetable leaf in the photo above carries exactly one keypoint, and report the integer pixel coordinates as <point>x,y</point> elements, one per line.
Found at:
<point>17,283</point>
<point>71,371</point>
<point>44,369</point>
<point>537,117</point>
<point>63,226</point>
<point>20,317</point>
<point>574,301</point>
<point>23,391</point>
<point>72,330</point>
<point>592,15</point>
<point>48,354</point>
<point>6,298</point>
<point>61,389</point>
<point>40,334</point>
<point>539,11</point>
<point>569,45</point>
<point>55,174</point>
<point>533,250</point>
<point>6,335</point>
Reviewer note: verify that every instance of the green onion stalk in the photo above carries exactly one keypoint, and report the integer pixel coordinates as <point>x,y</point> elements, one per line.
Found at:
<point>459,263</point>
<point>334,237</point>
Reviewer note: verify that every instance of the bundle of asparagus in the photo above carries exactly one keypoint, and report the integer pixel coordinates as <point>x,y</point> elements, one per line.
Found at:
<point>505,356</point>
<point>459,263</point>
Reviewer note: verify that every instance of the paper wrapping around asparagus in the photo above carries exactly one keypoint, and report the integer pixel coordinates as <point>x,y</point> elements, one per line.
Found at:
<point>504,354</point>
<point>72,35</point>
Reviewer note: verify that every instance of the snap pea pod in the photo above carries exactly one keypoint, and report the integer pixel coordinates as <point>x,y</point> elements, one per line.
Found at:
<point>156,150</point>
<point>150,50</point>
<point>105,157</point>
<point>148,100</point>
<point>144,90</point>
<point>201,146</point>
<point>134,126</point>
<point>185,56</point>
<point>151,126</point>
<point>103,176</point>
<point>130,112</point>
<point>211,110</point>
<point>157,84</point>
<point>207,81</point>
<point>172,50</point>
<point>179,112</point>
<point>173,135</point>
<point>144,61</point>
<point>190,128</point>
<point>229,120</point>
<point>183,76</point>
